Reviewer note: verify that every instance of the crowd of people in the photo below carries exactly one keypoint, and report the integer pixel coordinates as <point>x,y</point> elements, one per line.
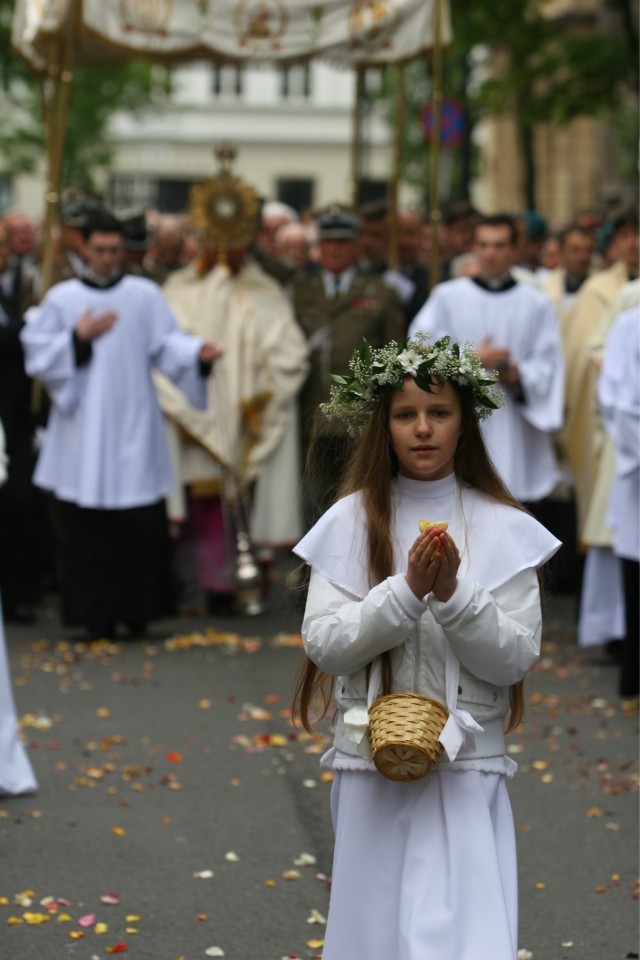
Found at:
<point>160,398</point>
<point>186,389</point>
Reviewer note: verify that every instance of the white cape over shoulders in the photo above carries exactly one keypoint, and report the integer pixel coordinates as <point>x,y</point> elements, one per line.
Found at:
<point>495,540</point>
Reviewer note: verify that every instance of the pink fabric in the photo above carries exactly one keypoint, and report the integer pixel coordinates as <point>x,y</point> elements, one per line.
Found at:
<point>214,557</point>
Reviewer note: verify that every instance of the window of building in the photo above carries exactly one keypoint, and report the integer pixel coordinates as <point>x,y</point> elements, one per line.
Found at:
<point>370,190</point>
<point>168,195</point>
<point>173,195</point>
<point>133,192</point>
<point>295,82</point>
<point>296,192</point>
<point>226,80</point>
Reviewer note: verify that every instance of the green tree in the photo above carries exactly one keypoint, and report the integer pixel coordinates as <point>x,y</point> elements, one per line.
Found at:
<point>508,56</point>
<point>96,94</point>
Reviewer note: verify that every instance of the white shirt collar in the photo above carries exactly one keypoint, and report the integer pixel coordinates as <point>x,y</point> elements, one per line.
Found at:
<point>343,280</point>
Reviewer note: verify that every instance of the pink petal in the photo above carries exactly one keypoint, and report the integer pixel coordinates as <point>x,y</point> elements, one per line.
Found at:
<point>111,898</point>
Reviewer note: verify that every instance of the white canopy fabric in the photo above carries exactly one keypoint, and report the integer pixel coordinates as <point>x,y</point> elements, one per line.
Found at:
<point>344,32</point>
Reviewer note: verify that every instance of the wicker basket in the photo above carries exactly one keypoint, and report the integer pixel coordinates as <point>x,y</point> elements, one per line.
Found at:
<point>404,730</point>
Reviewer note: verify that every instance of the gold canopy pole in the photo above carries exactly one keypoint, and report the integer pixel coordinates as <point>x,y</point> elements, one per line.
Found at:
<point>56,91</point>
<point>356,136</point>
<point>397,166</point>
<point>434,192</point>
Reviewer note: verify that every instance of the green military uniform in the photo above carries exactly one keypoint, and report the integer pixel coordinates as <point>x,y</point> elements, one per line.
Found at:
<point>335,327</point>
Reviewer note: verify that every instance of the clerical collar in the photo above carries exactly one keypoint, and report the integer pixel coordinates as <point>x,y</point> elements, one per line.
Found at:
<point>495,284</point>
<point>101,283</point>
<point>572,283</point>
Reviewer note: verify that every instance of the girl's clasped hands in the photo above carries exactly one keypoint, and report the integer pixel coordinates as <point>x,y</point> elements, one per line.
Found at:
<point>433,564</point>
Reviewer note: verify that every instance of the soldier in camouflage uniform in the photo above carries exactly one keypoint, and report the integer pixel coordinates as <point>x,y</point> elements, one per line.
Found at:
<point>336,306</point>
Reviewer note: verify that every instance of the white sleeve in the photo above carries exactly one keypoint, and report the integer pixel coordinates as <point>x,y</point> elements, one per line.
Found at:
<point>542,373</point>
<point>342,633</point>
<point>619,390</point>
<point>496,635</point>
<point>175,353</point>
<point>49,354</point>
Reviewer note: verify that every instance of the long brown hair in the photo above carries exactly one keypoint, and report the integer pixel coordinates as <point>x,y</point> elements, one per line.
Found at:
<point>371,470</point>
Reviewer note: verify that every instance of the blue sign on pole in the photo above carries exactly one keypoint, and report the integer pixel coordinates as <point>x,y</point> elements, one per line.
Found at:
<point>453,122</point>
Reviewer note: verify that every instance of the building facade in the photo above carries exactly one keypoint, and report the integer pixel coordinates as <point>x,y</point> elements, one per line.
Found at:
<point>292,130</point>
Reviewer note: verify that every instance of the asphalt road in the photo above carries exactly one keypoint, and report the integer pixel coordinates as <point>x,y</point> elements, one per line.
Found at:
<point>179,814</point>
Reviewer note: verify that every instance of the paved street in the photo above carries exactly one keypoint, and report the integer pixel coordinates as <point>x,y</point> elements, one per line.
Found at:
<point>180,815</point>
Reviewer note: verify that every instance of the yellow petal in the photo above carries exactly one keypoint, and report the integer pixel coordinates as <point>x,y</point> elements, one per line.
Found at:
<point>425,524</point>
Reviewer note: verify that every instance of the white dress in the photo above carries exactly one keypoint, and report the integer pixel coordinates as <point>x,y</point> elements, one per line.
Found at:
<point>411,880</point>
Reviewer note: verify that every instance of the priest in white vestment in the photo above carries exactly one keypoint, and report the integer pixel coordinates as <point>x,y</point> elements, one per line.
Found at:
<point>589,451</point>
<point>93,343</point>
<point>582,433</point>
<point>601,617</point>
<point>238,461</point>
<point>515,331</point>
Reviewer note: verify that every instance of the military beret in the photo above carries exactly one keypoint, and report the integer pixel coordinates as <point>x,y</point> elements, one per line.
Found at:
<point>134,230</point>
<point>338,223</point>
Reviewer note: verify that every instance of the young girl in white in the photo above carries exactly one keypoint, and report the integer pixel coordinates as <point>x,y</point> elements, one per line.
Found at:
<point>16,773</point>
<point>423,870</point>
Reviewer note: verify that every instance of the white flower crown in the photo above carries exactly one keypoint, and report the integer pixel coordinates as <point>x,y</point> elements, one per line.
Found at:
<point>353,399</point>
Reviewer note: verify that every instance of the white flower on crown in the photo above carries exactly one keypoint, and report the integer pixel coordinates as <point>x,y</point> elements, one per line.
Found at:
<point>379,374</point>
<point>464,370</point>
<point>410,360</point>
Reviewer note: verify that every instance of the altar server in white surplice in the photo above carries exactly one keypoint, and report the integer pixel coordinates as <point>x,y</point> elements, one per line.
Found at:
<point>619,395</point>
<point>514,328</point>
<point>16,774</point>
<point>93,343</point>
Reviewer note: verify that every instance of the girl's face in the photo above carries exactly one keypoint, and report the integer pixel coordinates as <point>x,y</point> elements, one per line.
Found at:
<point>425,429</point>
